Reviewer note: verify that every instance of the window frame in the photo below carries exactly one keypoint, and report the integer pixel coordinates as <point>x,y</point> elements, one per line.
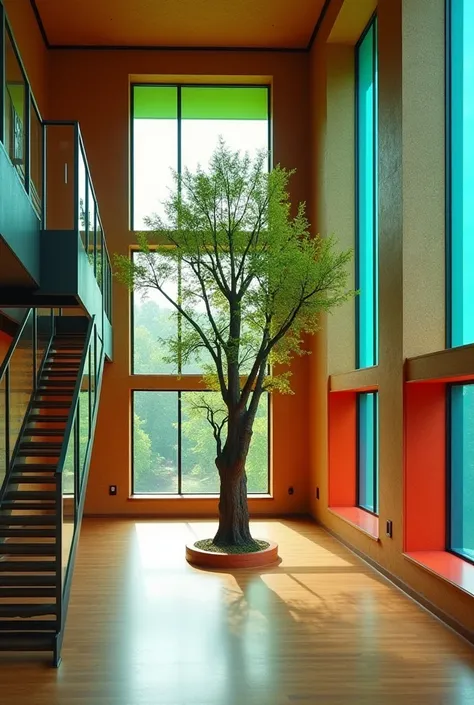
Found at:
<point>375,469</point>
<point>372,24</point>
<point>179,86</point>
<point>449,470</point>
<point>180,493</point>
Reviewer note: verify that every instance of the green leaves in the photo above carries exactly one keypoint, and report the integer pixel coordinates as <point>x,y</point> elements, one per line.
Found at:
<point>251,280</point>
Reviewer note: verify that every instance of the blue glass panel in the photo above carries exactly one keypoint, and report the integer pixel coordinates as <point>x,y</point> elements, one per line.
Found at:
<point>367,199</point>
<point>462,470</point>
<point>462,173</point>
<point>367,460</point>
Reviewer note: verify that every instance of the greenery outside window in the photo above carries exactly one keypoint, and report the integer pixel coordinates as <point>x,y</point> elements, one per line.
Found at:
<point>174,449</point>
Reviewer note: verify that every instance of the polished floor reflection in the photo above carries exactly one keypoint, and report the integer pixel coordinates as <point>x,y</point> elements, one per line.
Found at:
<point>145,628</point>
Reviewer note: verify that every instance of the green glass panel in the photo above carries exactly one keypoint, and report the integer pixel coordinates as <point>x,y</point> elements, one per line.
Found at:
<point>224,103</point>
<point>155,102</point>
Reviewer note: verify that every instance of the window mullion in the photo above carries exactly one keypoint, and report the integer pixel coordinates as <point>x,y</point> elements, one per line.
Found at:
<point>180,479</point>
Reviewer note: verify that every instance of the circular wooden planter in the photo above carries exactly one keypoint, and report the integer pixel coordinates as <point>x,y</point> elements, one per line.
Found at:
<point>222,561</point>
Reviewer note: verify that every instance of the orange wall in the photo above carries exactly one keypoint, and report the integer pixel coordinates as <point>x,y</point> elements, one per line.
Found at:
<point>5,341</point>
<point>93,87</point>
<point>32,49</point>
<point>393,327</point>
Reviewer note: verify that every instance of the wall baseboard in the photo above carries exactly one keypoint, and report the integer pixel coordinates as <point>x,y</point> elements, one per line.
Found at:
<point>446,619</point>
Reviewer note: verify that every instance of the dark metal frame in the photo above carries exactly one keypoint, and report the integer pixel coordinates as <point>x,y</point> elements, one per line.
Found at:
<point>81,480</point>
<point>375,468</point>
<point>448,177</point>
<point>449,469</point>
<point>372,23</point>
<point>2,72</point>
<point>179,492</point>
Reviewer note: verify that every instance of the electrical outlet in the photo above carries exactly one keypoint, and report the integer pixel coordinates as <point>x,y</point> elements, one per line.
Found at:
<point>112,490</point>
<point>389,528</point>
<point>317,492</point>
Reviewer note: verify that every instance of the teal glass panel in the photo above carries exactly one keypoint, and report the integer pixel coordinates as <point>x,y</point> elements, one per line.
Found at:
<point>461,140</point>
<point>367,199</point>
<point>367,453</point>
<point>462,470</point>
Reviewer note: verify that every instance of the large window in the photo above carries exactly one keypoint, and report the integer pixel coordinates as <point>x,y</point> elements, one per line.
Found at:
<point>367,451</point>
<point>367,198</point>
<point>175,127</point>
<point>460,307</point>
<point>156,323</point>
<point>461,454</point>
<point>174,449</point>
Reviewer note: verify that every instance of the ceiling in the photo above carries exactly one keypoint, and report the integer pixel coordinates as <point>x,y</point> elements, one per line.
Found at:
<point>270,24</point>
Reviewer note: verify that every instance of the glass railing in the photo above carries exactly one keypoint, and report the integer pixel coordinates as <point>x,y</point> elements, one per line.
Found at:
<point>21,126</point>
<point>70,202</point>
<point>74,461</point>
<point>19,373</point>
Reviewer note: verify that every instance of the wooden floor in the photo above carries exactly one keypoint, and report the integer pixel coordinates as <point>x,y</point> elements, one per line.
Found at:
<point>145,628</point>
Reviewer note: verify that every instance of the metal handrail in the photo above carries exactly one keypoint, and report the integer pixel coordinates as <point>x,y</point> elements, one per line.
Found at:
<point>75,398</point>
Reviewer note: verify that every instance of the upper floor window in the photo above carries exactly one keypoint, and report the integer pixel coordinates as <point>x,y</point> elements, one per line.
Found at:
<point>15,107</point>
<point>367,198</point>
<point>175,127</point>
<point>460,139</point>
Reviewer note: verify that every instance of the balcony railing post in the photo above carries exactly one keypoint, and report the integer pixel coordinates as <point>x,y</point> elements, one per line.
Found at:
<point>76,177</point>
<point>35,347</point>
<point>27,137</point>
<point>44,168</point>
<point>2,73</point>
<point>7,418</point>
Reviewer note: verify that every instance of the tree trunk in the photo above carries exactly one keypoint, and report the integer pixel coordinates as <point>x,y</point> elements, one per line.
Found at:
<point>234,527</point>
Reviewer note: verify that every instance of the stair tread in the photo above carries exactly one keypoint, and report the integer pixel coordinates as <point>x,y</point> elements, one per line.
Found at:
<point>26,520</point>
<point>28,566</point>
<point>8,505</point>
<point>34,467</point>
<point>54,392</point>
<point>29,494</point>
<point>24,641</point>
<point>19,610</point>
<point>37,453</point>
<point>25,479</point>
<point>31,625</point>
<point>27,549</point>
<point>44,432</point>
<point>27,592</point>
<point>45,418</point>
<point>38,444</point>
<point>29,580</point>
<point>22,532</point>
<point>51,404</point>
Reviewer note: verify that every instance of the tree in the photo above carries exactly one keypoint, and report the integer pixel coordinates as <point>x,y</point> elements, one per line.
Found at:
<point>252,282</point>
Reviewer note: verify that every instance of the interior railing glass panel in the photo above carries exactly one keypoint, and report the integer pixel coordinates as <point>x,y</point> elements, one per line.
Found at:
<point>71,202</point>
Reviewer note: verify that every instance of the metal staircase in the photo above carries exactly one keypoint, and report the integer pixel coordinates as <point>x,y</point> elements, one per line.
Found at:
<point>47,473</point>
